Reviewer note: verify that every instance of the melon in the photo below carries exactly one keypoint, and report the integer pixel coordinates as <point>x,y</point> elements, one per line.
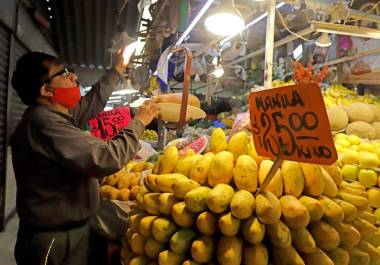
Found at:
<point>376,126</point>
<point>338,118</point>
<point>360,112</point>
<point>198,146</point>
<point>361,129</point>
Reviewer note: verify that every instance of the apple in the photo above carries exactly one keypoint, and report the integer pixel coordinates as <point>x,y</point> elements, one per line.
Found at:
<point>366,147</point>
<point>368,160</point>
<point>343,142</point>
<point>368,177</point>
<point>354,147</point>
<point>339,148</point>
<point>350,172</point>
<point>354,139</point>
<point>340,136</point>
<point>349,156</point>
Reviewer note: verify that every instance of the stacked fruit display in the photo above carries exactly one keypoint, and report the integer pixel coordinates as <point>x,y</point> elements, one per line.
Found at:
<point>150,135</point>
<point>209,209</point>
<point>124,184</point>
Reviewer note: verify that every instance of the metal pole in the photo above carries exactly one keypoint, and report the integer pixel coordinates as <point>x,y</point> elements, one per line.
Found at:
<point>269,45</point>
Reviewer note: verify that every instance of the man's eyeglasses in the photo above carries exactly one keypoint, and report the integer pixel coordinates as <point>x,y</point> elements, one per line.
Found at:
<point>65,72</point>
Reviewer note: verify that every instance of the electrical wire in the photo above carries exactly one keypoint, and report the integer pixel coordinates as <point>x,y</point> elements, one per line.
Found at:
<point>287,28</point>
<point>366,13</point>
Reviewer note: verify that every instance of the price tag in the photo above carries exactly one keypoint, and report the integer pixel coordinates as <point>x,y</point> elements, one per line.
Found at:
<point>294,117</point>
<point>109,123</point>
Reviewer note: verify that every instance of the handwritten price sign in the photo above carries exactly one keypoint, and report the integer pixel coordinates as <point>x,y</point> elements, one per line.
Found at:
<point>292,117</point>
<point>109,123</point>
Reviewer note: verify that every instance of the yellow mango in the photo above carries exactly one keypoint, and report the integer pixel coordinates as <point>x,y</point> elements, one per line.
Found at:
<point>207,223</point>
<point>190,262</point>
<point>293,178</point>
<point>156,168</point>
<point>145,225</point>
<point>253,230</point>
<point>369,217</point>
<point>181,241</point>
<point>153,248</point>
<point>135,220</point>
<point>252,153</point>
<point>196,199</point>
<point>314,183</point>
<point>238,144</point>
<point>255,254</point>
<point>339,256</point>
<point>303,241</point>
<point>335,173</point>
<point>365,228</point>
<point>333,212</point>
<point>348,234</point>
<point>279,235</point>
<point>229,250</point>
<point>199,170</point>
<point>182,216</point>
<point>138,167</point>
<point>372,251</point>
<point>331,189</point>
<point>294,213</point>
<point>150,182</point>
<point>349,189</point>
<point>374,197</point>
<point>139,260</point>
<point>184,166</point>
<point>218,141</point>
<point>221,169</point>
<point>317,258</point>
<point>151,203</point>
<point>138,243</point>
<point>246,173</point>
<point>286,256</point>
<point>220,197</point>
<point>350,211</point>
<point>325,235</point>
<point>359,202</point>
<point>268,208</point>
<point>228,224</point>
<point>374,240</point>
<point>314,208</point>
<point>357,256</point>
<point>164,182</point>
<point>168,160</point>
<point>242,204</point>
<point>166,202</point>
<point>202,249</point>
<point>276,185</point>
<point>168,257</point>
<point>163,229</point>
<point>182,186</point>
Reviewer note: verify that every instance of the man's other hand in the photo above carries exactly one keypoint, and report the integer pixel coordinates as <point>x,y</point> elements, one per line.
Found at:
<point>148,111</point>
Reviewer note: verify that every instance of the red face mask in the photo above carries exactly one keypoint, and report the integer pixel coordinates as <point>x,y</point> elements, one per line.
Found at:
<point>67,97</point>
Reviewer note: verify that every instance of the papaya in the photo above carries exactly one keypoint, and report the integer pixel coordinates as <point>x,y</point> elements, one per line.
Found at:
<point>218,141</point>
<point>293,178</point>
<point>286,256</point>
<point>331,189</point>
<point>182,216</point>
<point>181,241</point>
<point>349,210</point>
<point>276,185</point>
<point>151,203</point>
<point>357,256</point>
<point>238,144</point>
<point>246,173</point>
<point>199,170</point>
<point>317,258</point>
<point>294,214</point>
<point>365,229</point>
<point>207,223</point>
<point>303,241</point>
<point>163,229</point>
<point>229,250</point>
<point>255,254</point>
<point>168,257</point>
<point>325,235</point>
<point>168,160</point>
<point>202,249</point>
<point>220,197</point>
<point>138,243</point>
<point>196,199</point>
<point>153,248</point>
<point>314,183</point>
<point>145,225</point>
<point>221,169</point>
<point>184,166</point>
<point>335,173</point>
<point>166,202</point>
<point>348,234</point>
<point>182,186</point>
<point>242,204</point>
<point>339,256</point>
<point>279,235</point>
<point>333,212</point>
<point>228,224</point>
<point>253,230</point>
<point>314,208</point>
<point>268,208</point>
<point>165,182</point>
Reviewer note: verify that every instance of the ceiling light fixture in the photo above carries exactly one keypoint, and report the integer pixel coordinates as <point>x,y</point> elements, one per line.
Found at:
<point>226,20</point>
<point>50,17</point>
<point>194,22</point>
<point>253,22</point>
<point>49,8</point>
<point>324,40</point>
<point>218,72</point>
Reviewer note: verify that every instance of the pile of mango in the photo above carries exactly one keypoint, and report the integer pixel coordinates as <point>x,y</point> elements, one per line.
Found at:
<point>209,209</point>
<point>124,184</point>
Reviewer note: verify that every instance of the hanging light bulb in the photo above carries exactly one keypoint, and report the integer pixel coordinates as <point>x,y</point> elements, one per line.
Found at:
<point>226,20</point>
<point>324,40</point>
<point>218,72</point>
